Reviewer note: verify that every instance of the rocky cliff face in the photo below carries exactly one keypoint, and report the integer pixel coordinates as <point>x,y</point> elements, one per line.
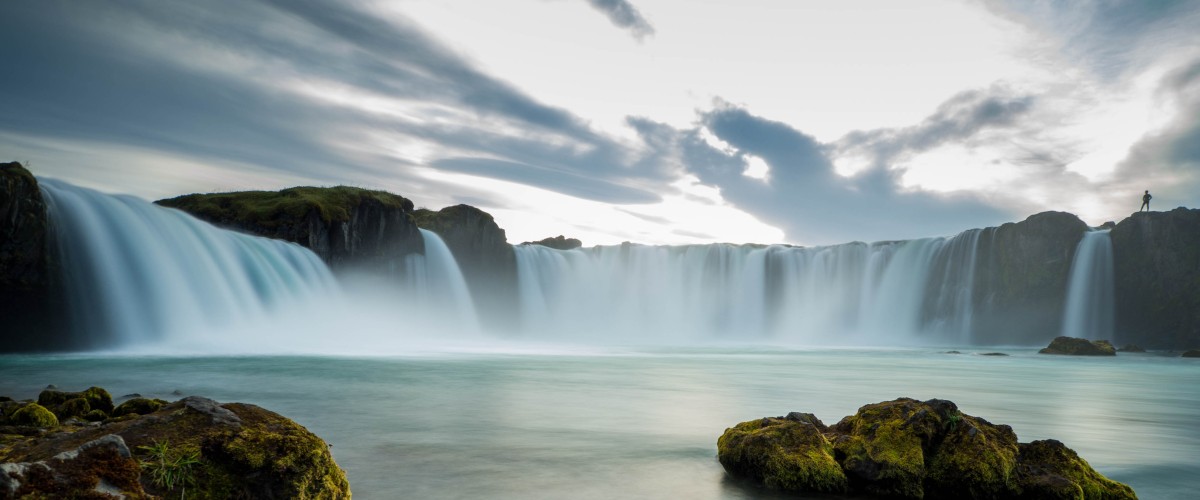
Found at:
<point>1022,270</point>
<point>484,255</point>
<point>345,226</point>
<point>1156,256</point>
<point>28,307</point>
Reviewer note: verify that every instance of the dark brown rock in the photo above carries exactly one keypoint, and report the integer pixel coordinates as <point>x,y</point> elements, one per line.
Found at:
<point>1079,347</point>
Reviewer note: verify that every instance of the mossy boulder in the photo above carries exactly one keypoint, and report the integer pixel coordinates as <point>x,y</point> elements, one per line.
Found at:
<point>241,450</point>
<point>138,406</point>
<point>33,415</point>
<point>1048,469</point>
<point>908,449</point>
<point>783,453</point>
<point>96,397</point>
<point>1073,346</point>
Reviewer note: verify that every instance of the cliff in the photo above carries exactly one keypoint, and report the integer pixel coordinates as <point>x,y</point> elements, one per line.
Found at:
<point>559,242</point>
<point>483,254</point>
<point>345,226</point>
<point>1156,260</point>
<point>29,308</point>
<point>1021,276</point>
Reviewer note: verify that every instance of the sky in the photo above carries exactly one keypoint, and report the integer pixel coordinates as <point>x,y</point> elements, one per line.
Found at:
<point>652,121</point>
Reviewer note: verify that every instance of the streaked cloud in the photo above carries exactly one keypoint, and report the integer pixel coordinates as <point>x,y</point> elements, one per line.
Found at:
<point>624,15</point>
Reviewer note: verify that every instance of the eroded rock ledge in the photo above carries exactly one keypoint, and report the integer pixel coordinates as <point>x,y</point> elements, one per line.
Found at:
<point>908,449</point>
<point>79,445</point>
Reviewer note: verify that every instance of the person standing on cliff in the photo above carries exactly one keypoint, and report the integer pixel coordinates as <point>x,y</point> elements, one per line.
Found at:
<point>1146,201</point>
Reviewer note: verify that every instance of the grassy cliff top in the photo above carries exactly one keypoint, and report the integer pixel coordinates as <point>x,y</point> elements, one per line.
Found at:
<point>333,204</point>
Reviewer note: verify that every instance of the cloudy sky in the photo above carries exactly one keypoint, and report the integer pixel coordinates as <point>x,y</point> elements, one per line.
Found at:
<point>654,121</point>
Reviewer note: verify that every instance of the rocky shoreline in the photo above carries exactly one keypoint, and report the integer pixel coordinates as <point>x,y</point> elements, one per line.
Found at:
<point>908,449</point>
<point>81,445</point>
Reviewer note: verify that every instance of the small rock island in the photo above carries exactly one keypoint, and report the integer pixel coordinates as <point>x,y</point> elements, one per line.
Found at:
<point>79,445</point>
<point>908,449</point>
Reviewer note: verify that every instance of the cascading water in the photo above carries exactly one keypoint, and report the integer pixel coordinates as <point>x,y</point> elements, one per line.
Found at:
<point>437,287</point>
<point>883,293</point>
<point>134,272</point>
<point>1090,298</point>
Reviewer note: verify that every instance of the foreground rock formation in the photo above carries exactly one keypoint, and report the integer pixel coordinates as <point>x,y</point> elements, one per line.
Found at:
<point>908,449</point>
<point>1079,347</point>
<point>148,448</point>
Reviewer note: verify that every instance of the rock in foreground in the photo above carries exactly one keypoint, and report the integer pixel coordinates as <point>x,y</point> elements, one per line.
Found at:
<point>908,449</point>
<point>1079,347</point>
<point>194,446</point>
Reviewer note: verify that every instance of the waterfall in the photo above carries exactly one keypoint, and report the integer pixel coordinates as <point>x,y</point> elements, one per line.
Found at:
<point>437,287</point>
<point>136,273</point>
<point>881,293</point>
<point>1090,298</point>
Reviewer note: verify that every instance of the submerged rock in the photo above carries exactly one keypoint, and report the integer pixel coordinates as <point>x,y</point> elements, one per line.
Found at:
<point>215,450</point>
<point>1079,347</point>
<point>908,449</point>
<point>1131,348</point>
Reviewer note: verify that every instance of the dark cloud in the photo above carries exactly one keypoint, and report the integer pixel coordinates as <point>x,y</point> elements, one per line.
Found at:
<point>216,81</point>
<point>958,119</point>
<point>624,15</point>
<point>1170,158</point>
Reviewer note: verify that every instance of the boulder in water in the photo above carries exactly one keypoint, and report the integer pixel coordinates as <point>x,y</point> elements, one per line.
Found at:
<point>1193,353</point>
<point>1079,347</point>
<point>1131,348</point>
<point>908,449</point>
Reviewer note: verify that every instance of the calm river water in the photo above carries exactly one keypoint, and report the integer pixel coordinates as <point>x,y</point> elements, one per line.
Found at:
<point>644,423</point>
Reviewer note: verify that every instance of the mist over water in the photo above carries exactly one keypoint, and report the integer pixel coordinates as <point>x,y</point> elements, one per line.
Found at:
<point>853,294</point>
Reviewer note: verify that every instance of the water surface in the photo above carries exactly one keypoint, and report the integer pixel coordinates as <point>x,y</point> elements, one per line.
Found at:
<point>643,423</point>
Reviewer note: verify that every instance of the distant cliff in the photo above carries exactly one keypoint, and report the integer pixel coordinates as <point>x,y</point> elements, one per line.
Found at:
<point>1156,258</point>
<point>345,226</point>
<point>30,310</point>
<point>1021,276</point>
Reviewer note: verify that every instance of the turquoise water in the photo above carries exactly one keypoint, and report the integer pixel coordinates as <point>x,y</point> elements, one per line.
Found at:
<point>644,423</point>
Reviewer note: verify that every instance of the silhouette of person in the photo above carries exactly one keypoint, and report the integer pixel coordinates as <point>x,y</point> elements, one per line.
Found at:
<point>1146,201</point>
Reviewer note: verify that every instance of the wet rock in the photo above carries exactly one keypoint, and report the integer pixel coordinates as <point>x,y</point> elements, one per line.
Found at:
<point>1131,348</point>
<point>907,449</point>
<point>139,406</point>
<point>992,354</point>
<point>1194,353</point>
<point>60,401</point>
<point>1079,347</point>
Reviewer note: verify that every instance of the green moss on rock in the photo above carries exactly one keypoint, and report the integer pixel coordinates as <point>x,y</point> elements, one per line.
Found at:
<point>909,449</point>
<point>139,406</point>
<point>33,415</point>
<point>97,398</point>
<point>781,454</point>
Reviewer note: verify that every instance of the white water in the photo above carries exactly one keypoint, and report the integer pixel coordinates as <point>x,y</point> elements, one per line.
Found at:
<point>134,272</point>
<point>1090,298</point>
<point>137,275</point>
<point>846,294</point>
